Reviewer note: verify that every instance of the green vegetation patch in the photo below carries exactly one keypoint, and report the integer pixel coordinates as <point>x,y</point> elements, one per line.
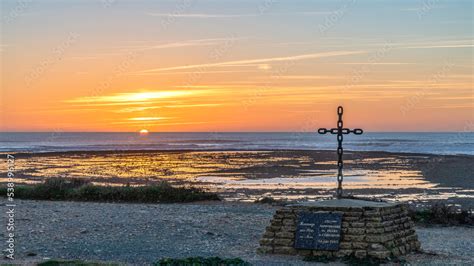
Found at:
<point>73,263</point>
<point>200,261</point>
<point>82,190</point>
<point>271,201</point>
<point>442,214</point>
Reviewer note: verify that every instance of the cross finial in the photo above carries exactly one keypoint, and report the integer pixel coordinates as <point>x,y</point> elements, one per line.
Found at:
<point>340,131</point>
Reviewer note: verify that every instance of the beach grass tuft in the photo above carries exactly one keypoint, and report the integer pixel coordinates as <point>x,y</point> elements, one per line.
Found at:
<point>271,201</point>
<point>442,214</point>
<point>74,263</point>
<point>82,190</point>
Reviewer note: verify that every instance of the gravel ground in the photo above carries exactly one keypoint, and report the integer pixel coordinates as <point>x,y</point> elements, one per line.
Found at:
<point>141,234</point>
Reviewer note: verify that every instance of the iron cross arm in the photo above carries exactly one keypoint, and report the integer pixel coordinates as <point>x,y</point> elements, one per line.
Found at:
<point>344,131</point>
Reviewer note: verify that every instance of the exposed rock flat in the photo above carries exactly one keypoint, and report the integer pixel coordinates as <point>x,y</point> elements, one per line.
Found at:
<point>249,175</point>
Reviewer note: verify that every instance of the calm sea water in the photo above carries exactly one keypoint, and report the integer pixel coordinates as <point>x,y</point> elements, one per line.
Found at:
<point>432,143</point>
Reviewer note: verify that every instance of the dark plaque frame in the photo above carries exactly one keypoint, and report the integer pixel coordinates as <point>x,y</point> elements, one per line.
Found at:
<point>318,231</point>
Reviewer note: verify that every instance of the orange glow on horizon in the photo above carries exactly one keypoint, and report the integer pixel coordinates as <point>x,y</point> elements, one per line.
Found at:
<point>220,71</point>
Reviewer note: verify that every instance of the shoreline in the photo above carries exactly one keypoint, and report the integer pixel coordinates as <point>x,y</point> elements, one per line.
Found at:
<point>247,175</point>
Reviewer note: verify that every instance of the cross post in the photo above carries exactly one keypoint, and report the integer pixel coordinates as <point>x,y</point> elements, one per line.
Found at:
<point>340,131</point>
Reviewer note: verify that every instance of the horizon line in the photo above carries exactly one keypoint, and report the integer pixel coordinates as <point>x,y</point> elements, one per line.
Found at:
<point>214,132</point>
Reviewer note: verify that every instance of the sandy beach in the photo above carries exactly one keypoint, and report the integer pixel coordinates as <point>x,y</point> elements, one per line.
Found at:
<point>284,174</point>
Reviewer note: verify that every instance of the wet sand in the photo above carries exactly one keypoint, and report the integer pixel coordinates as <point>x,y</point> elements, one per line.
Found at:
<point>249,175</point>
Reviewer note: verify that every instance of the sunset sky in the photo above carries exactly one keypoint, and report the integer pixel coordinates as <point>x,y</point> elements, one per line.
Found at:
<point>236,65</point>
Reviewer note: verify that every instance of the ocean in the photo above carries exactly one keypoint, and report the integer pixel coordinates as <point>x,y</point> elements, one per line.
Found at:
<point>429,143</point>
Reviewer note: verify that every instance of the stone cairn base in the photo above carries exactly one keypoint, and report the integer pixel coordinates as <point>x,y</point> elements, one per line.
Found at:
<point>369,229</point>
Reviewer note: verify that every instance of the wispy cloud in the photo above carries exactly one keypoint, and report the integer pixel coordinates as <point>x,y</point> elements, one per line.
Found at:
<point>201,15</point>
<point>140,97</point>
<point>177,44</point>
<point>191,72</point>
<point>147,118</point>
<point>136,109</point>
<point>163,106</point>
<point>450,106</point>
<point>440,46</point>
<point>162,123</point>
<point>207,15</point>
<point>377,63</point>
<point>193,105</point>
<point>427,44</point>
<point>258,61</point>
<point>303,77</point>
<point>360,88</point>
<point>469,98</point>
<point>308,77</point>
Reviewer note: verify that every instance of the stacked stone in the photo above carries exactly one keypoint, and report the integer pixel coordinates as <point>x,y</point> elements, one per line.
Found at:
<point>378,232</point>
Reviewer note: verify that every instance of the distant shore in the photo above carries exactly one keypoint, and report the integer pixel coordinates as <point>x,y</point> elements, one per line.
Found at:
<point>49,153</point>
<point>281,174</point>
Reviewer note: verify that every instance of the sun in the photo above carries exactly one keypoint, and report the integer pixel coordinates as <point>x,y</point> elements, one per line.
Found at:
<point>144,132</point>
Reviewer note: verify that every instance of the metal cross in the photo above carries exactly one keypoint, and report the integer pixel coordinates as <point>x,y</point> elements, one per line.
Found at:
<point>340,131</point>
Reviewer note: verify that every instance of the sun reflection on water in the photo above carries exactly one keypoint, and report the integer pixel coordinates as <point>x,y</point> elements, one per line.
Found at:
<point>241,175</point>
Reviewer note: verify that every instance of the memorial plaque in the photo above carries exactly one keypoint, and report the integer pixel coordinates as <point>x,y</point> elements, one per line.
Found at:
<point>318,230</point>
